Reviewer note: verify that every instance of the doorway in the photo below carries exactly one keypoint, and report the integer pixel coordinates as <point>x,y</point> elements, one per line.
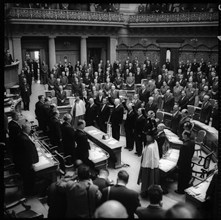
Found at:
<point>95,54</point>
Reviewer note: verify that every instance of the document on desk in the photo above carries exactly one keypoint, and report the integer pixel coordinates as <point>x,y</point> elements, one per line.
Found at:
<point>166,165</point>
<point>112,142</point>
<point>43,161</point>
<point>94,132</point>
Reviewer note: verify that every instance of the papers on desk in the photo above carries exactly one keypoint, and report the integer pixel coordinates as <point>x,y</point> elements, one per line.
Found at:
<point>112,141</point>
<point>42,162</point>
<point>166,165</point>
<point>169,161</point>
<point>173,138</point>
<point>94,132</point>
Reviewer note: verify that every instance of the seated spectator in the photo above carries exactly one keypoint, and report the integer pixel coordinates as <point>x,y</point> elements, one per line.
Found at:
<point>130,81</point>
<point>154,210</point>
<point>159,81</point>
<point>182,210</point>
<point>111,209</point>
<point>177,89</point>
<point>107,86</point>
<point>206,110</point>
<point>204,92</point>
<point>57,84</point>
<point>151,86</point>
<point>102,180</point>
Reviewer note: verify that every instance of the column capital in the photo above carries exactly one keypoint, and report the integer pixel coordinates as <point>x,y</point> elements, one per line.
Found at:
<point>51,37</point>
<point>84,37</point>
<point>16,37</point>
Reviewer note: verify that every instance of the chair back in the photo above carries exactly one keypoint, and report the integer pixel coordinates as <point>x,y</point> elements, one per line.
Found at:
<point>160,116</point>
<point>61,161</point>
<point>200,136</point>
<point>207,161</point>
<point>68,92</point>
<point>191,110</point>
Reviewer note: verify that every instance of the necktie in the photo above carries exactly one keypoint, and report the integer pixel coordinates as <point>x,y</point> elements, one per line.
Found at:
<point>102,107</point>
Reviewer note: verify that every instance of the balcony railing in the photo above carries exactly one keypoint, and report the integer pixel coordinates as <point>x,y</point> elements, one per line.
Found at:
<point>176,17</point>
<point>56,14</point>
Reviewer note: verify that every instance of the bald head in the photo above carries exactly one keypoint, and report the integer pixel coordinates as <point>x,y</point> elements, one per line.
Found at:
<point>111,209</point>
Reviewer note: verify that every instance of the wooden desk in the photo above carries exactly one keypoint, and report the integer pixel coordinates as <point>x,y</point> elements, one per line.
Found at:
<point>98,156</point>
<point>48,165</point>
<point>15,106</point>
<point>197,194</point>
<point>172,139</point>
<point>64,109</point>
<point>168,162</point>
<point>11,74</point>
<point>112,146</point>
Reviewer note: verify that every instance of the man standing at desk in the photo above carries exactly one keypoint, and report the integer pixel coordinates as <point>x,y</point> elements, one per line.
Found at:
<point>184,163</point>
<point>25,156</point>
<point>116,119</point>
<point>83,146</point>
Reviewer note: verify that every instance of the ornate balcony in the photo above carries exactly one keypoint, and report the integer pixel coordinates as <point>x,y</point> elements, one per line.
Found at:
<point>17,15</point>
<point>188,18</point>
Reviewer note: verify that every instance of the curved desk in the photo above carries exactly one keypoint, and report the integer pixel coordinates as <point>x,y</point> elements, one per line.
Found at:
<point>112,146</point>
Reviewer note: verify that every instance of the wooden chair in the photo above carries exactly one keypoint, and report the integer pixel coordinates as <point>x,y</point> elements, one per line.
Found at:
<point>65,163</point>
<point>68,92</point>
<point>201,169</point>
<point>199,141</point>
<point>9,210</point>
<point>191,110</point>
<point>160,116</point>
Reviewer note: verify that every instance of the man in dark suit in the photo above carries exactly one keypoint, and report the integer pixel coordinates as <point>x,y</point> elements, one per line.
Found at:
<point>168,101</point>
<point>184,162</point>
<point>154,210</point>
<point>144,94</point>
<point>116,119</point>
<point>25,156</point>
<point>184,118</point>
<point>46,115</point>
<point>99,98</point>
<point>206,110</point>
<point>160,138</point>
<point>91,113</point>
<point>55,131</point>
<point>83,146</point>
<point>102,180</point>
<point>114,94</point>
<point>182,81</point>
<point>13,130</point>
<point>150,105</point>
<point>25,94</point>
<point>119,192</point>
<point>61,96</point>
<point>176,116</point>
<point>138,132</point>
<point>8,58</point>
<point>183,101</point>
<point>137,102</point>
<point>68,137</point>
<point>38,111</point>
<point>103,115</point>
<point>129,127</point>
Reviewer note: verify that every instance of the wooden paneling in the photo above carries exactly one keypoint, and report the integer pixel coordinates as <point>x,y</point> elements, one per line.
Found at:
<point>72,56</point>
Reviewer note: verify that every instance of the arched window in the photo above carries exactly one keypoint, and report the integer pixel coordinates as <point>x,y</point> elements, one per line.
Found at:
<point>168,55</point>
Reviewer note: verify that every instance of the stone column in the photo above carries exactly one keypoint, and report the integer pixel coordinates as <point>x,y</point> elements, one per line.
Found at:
<point>17,53</point>
<point>10,46</point>
<point>112,49</point>
<point>83,49</point>
<point>52,55</point>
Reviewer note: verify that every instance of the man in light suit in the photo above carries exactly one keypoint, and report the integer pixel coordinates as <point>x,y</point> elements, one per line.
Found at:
<point>114,94</point>
<point>116,119</point>
<point>103,115</point>
<point>176,116</point>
